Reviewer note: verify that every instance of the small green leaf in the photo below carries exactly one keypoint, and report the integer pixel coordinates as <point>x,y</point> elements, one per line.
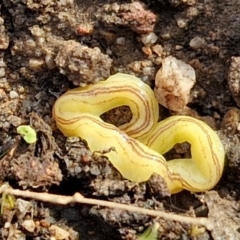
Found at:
<point>151,233</point>
<point>27,133</point>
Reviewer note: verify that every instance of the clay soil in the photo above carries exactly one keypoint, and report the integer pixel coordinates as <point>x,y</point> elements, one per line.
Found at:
<point>48,47</point>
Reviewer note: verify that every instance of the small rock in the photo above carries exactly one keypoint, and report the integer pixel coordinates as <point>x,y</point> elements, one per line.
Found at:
<point>22,207</point>
<point>197,43</point>
<point>149,39</point>
<point>29,225</point>
<point>173,83</point>
<point>59,233</point>
<point>182,23</point>
<point>2,72</point>
<point>6,126</point>
<point>231,120</point>
<point>234,79</point>
<point>120,41</point>
<point>7,225</point>
<point>158,49</point>
<point>13,94</point>
<point>15,121</point>
<point>35,64</point>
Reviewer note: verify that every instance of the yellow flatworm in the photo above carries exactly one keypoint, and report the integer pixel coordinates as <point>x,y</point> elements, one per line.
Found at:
<point>139,144</point>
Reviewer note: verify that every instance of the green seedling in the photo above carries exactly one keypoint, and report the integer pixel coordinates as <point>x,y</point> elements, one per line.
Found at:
<point>7,201</point>
<point>27,133</point>
<point>151,233</point>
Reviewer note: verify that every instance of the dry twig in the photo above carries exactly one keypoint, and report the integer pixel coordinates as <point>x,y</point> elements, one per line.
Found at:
<point>78,198</point>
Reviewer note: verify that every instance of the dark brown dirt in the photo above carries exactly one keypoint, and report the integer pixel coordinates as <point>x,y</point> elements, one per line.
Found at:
<point>47,47</point>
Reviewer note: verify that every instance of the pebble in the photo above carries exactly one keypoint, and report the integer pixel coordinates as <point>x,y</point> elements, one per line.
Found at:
<point>233,79</point>
<point>173,83</point>
<point>15,121</point>
<point>120,41</point>
<point>6,125</point>
<point>181,22</point>
<point>13,94</point>
<point>59,233</point>
<point>149,39</point>
<point>29,225</point>
<point>197,43</point>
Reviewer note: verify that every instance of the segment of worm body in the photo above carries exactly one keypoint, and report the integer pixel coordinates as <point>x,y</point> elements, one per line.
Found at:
<point>139,144</point>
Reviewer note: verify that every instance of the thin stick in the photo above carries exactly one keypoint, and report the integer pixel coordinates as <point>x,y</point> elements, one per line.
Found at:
<point>78,198</point>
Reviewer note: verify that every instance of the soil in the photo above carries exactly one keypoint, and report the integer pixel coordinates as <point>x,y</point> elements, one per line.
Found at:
<point>48,47</point>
